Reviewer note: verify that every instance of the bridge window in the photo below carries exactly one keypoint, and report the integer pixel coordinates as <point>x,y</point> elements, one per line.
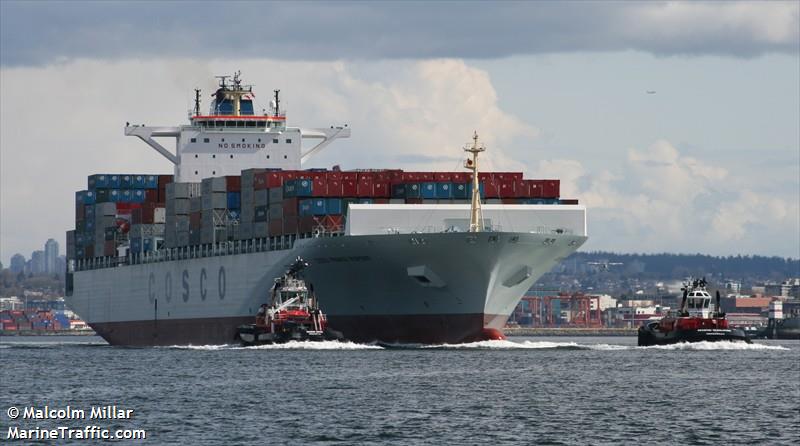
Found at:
<point>288,141</point>
<point>250,124</point>
<point>275,141</point>
<point>262,124</point>
<point>205,140</point>
<point>193,140</point>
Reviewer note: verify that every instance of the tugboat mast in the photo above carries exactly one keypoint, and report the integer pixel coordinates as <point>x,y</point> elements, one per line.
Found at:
<point>476,214</point>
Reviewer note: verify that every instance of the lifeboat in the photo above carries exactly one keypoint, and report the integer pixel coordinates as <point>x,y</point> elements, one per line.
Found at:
<point>696,321</point>
<point>292,314</point>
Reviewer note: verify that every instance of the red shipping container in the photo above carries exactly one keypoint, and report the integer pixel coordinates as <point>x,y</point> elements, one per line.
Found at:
<point>369,176</point>
<point>397,177</point>
<point>364,187</point>
<point>507,175</point>
<point>551,188</point>
<point>537,188</point>
<point>260,181</point>
<point>195,219</point>
<point>426,176</point>
<point>163,180</point>
<point>109,249</point>
<point>319,187</point>
<point>522,189</point>
<point>289,225</point>
<point>151,195</point>
<point>290,207</point>
<point>334,188</point>
<point>381,201</point>
<point>460,177</point>
<point>443,177</point>
<point>318,176</point>
<point>505,188</point>
<point>333,223</point>
<point>300,174</point>
<point>483,177</point>
<point>382,189</point>
<point>334,175</point>
<point>275,227</point>
<point>349,188</point>
<point>351,176</point>
<point>491,189</point>
<point>306,224</point>
<point>233,183</point>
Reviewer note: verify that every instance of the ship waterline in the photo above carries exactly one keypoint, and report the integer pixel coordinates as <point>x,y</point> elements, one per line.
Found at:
<point>428,288</point>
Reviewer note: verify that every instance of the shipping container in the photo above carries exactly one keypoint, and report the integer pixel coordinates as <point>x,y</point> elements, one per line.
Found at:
<point>349,187</point>
<point>233,183</point>
<point>290,225</point>
<point>505,188</point>
<point>85,197</point>
<point>290,207</point>
<point>399,190</point>
<point>275,194</point>
<point>413,190</point>
<point>298,188</point>
<point>364,187</point>
<point>125,181</point>
<point>460,191</point>
<point>551,188</point>
<point>382,189</point>
<point>260,198</point>
<point>334,187</point>
<point>234,200</point>
<point>443,177</point>
<point>334,206</point>
<point>261,229</point>
<point>275,227</point>
<point>98,181</point>
<point>428,190</point>
<point>444,190</point>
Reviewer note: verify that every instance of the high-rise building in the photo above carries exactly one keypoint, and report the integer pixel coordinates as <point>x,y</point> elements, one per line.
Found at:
<point>17,263</point>
<point>51,256</point>
<point>37,262</point>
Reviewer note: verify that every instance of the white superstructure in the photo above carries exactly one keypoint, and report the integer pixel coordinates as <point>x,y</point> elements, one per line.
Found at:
<point>232,137</point>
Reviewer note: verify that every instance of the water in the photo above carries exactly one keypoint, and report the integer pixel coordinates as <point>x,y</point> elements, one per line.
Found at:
<point>522,391</point>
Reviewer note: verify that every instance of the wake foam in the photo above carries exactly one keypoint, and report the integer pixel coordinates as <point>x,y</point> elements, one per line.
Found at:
<point>719,345</point>
<point>509,345</point>
<point>291,345</point>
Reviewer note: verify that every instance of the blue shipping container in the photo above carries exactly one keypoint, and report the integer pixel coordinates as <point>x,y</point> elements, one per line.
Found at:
<point>138,196</point>
<point>298,188</point>
<point>234,200</point>
<point>88,211</point>
<point>461,190</point>
<point>334,206</point>
<point>413,190</point>
<point>136,245</point>
<point>126,181</point>
<point>147,244</point>
<point>319,206</point>
<point>114,181</point>
<point>399,191</point>
<point>305,207</point>
<point>151,182</point>
<point>125,196</point>
<point>99,180</point>
<point>428,190</point>
<point>138,181</point>
<point>85,197</point>
<point>115,196</point>
<point>444,191</point>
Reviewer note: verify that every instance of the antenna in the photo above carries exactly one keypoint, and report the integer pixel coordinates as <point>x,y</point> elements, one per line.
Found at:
<point>476,214</point>
<point>277,103</point>
<point>197,102</point>
<point>222,80</point>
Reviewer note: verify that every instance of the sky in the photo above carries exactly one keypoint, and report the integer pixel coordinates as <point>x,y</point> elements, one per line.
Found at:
<point>709,163</point>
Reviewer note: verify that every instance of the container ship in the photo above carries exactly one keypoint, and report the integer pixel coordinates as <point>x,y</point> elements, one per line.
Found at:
<point>394,256</point>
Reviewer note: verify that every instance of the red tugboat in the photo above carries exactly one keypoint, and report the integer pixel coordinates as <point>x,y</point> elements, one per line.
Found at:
<point>695,322</point>
<point>293,314</point>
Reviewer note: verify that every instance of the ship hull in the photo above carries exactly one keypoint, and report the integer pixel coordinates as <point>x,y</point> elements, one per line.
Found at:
<point>648,337</point>
<point>411,288</point>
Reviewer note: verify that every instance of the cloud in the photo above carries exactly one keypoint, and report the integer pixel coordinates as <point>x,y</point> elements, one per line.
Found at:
<point>413,115</point>
<point>662,201</point>
<point>382,30</point>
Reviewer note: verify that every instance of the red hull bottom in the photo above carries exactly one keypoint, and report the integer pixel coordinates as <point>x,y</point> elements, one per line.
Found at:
<point>417,329</point>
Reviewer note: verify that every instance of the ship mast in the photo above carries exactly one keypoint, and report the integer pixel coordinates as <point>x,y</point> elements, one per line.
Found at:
<point>476,214</point>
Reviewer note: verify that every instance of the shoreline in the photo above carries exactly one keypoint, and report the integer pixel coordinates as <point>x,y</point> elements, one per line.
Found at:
<point>47,333</point>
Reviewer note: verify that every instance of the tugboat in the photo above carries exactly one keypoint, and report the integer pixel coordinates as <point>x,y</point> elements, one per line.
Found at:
<point>293,313</point>
<point>694,322</point>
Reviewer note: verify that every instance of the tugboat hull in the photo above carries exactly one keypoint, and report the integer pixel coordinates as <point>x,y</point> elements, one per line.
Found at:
<point>648,336</point>
<point>250,335</point>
